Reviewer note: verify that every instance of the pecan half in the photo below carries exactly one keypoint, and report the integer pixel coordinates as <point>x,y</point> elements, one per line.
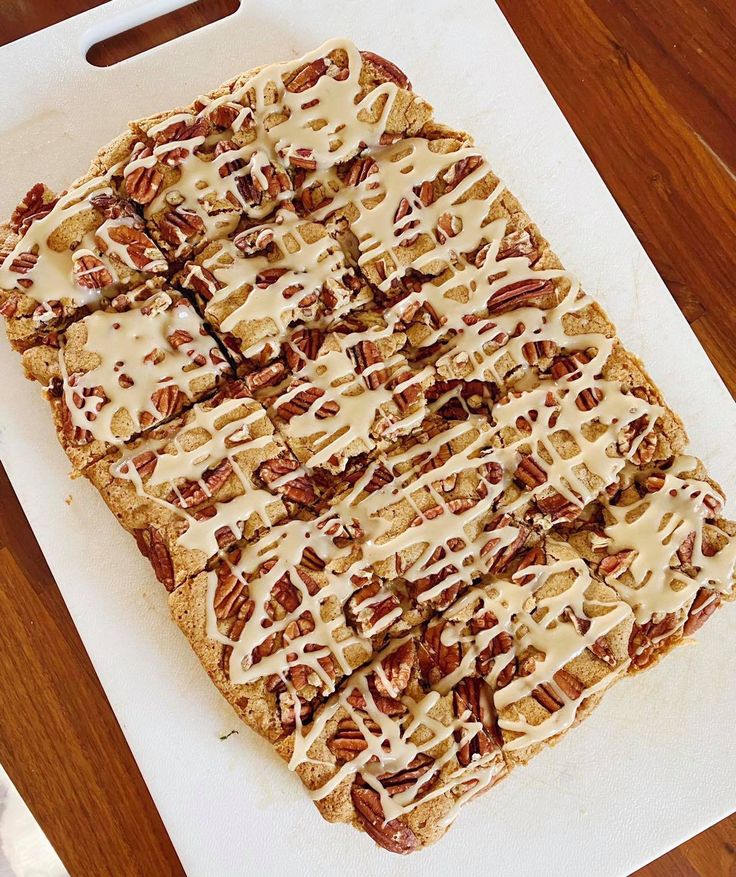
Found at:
<point>569,366</point>
<point>387,69</point>
<point>309,75</point>
<point>436,659</point>
<point>194,492</point>
<point>223,115</point>
<point>704,605</point>
<point>474,694</point>
<point>546,696</point>
<point>616,564</point>
<point>555,506</point>
<point>300,489</point>
<point>23,263</point>
<point>201,280</point>
<point>401,780</point>
<point>180,132</point>
<point>517,294</point>
<point>152,545</point>
<point>349,739</point>
<point>397,668</point>
<point>287,711</point>
<point>588,398</point>
<point>140,248</point>
<point>168,400</point>
<point>370,605</point>
<point>303,345</point>
<point>32,207</point>
<point>143,183</point>
<point>228,167</point>
<point>533,351</point>
<point>230,595</point>
<point>265,377</point>
<point>303,401</point>
<point>529,473</point>
<point>406,397</point>
<point>394,835</point>
<point>179,225</point>
<point>518,243</point>
<point>113,207</point>
<point>91,273</point>
<point>359,169</point>
<point>253,240</point>
<point>303,158</point>
<point>461,169</point>
<point>285,593</point>
<point>389,706</point>
<point>646,639</point>
<point>365,354</point>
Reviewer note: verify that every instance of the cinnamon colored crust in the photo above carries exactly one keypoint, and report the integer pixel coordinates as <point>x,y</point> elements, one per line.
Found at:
<point>415,504</point>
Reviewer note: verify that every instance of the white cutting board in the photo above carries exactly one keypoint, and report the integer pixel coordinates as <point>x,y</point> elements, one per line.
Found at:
<point>656,763</point>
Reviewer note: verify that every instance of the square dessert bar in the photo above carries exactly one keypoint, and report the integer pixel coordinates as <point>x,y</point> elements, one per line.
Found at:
<point>61,257</point>
<point>269,277</point>
<point>122,370</point>
<point>657,538</point>
<point>269,623</point>
<point>393,755</point>
<point>191,487</point>
<point>415,505</point>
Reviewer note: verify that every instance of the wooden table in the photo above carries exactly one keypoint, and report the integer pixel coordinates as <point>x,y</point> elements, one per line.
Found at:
<point>652,97</point>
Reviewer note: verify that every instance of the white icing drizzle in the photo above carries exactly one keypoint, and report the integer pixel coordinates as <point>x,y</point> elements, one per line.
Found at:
<point>262,565</point>
<point>656,528</point>
<point>146,355</point>
<point>393,744</point>
<point>52,277</point>
<point>282,291</point>
<point>228,441</point>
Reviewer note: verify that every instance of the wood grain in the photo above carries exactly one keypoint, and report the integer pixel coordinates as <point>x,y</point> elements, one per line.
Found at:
<point>652,96</point>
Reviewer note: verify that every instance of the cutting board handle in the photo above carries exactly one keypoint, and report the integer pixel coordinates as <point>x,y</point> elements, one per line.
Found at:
<point>119,16</point>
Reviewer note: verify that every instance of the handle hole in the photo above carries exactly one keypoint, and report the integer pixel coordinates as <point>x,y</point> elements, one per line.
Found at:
<point>158,31</point>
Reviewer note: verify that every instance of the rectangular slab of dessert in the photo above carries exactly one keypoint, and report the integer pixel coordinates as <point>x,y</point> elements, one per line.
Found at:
<point>415,505</point>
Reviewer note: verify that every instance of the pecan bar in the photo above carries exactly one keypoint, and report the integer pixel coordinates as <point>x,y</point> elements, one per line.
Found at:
<point>352,397</point>
<point>242,152</point>
<point>189,489</point>
<point>267,278</point>
<point>62,257</point>
<point>269,626</point>
<point>542,640</point>
<point>657,538</point>
<point>425,509</point>
<point>429,223</point>
<point>394,756</point>
<point>119,373</point>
